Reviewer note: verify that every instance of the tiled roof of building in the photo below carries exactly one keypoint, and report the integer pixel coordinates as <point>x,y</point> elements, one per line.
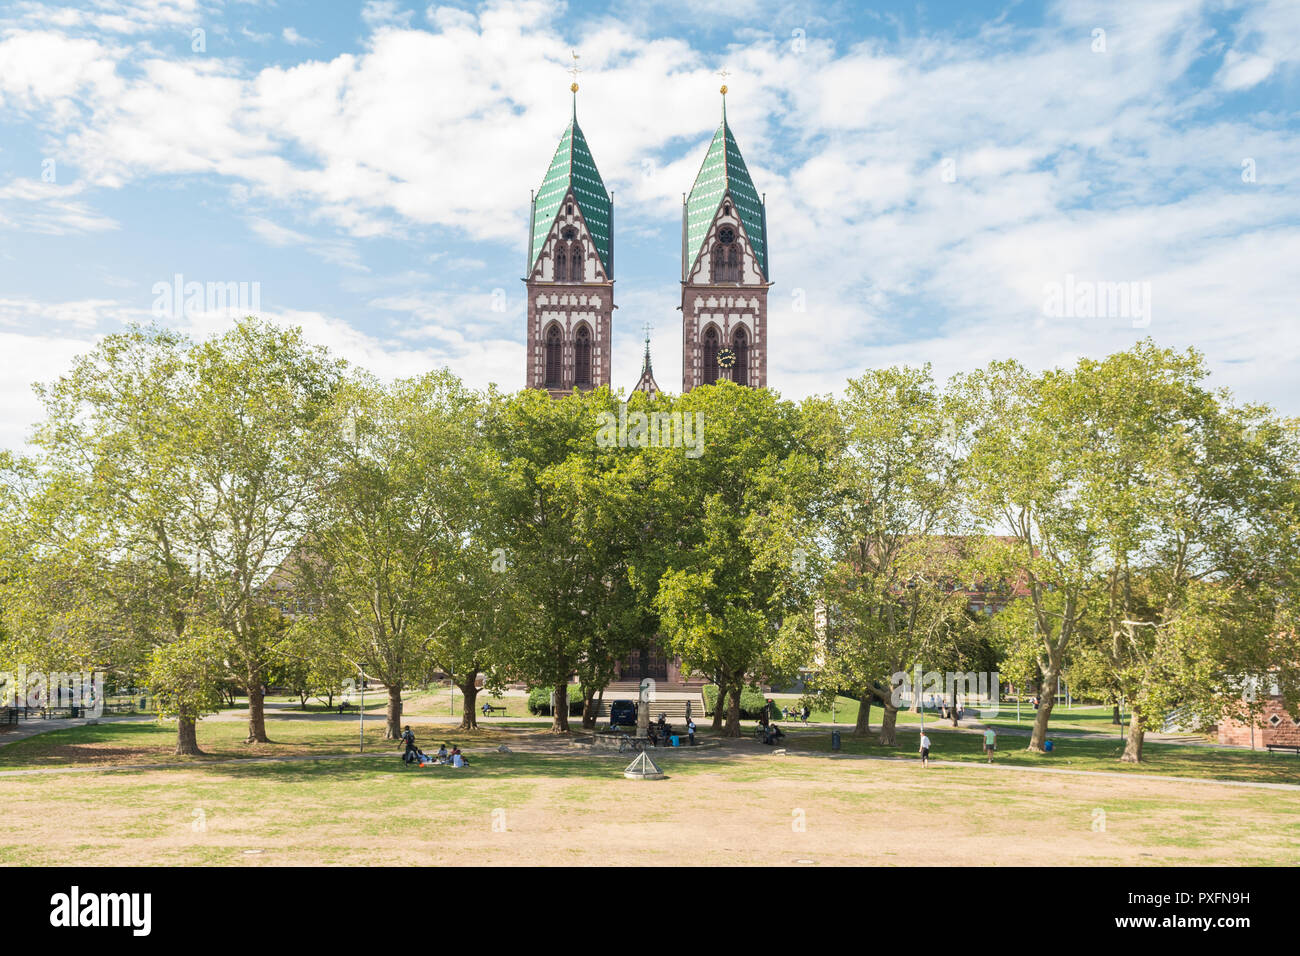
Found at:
<point>573,168</point>
<point>724,171</point>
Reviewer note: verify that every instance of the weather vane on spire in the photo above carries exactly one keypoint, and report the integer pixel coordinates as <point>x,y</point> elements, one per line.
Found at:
<point>574,71</point>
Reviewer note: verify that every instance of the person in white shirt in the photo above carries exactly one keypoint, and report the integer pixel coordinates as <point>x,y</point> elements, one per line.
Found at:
<point>925,749</point>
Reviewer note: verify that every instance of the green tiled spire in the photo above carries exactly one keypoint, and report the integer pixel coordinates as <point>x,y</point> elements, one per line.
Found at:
<point>573,168</point>
<point>724,171</point>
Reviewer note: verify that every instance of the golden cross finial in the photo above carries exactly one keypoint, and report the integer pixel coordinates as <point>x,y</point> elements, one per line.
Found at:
<point>724,74</point>
<point>574,70</point>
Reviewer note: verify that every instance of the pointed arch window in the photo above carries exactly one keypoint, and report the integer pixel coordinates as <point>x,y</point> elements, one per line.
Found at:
<point>554,357</point>
<point>710,355</point>
<point>582,358</point>
<point>561,261</point>
<point>575,262</point>
<point>740,345</point>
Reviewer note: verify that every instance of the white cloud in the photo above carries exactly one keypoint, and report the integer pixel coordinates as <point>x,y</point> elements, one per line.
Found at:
<point>1241,72</point>
<point>294,38</point>
<point>1107,165</point>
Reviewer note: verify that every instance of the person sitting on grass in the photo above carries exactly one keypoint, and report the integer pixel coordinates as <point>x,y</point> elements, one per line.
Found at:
<point>458,758</point>
<point>442,754</point>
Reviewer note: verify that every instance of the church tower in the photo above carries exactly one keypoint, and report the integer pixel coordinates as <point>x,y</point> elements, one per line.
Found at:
<point>570,277</point>
<point>725,274</point>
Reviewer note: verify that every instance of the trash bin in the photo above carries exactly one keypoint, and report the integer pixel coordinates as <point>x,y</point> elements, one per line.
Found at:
<point>835,740</point>
<point>74,711</point>
<point>1047,745</point>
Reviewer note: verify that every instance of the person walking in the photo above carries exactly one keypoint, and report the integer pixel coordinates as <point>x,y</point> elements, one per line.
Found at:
<point>925,749</point>
<point>990,742</point>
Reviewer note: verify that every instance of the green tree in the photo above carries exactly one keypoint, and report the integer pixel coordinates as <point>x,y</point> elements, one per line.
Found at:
<point>893,595</point>
<point>553,491</point>
<point>1023,481</point>
<point>737,526</point>
<point>1187,491</point>
<point>184,676</point>
<point>398,508</point>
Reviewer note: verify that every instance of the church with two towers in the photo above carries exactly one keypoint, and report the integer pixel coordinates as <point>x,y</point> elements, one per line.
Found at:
<point>570,275</point>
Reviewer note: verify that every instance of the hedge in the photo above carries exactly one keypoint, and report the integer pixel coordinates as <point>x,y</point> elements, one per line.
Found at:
<point>752,701</point>
<point>539,701</point>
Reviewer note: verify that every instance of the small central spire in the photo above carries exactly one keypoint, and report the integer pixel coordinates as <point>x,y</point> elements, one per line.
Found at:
<point>723,90</point>
<point>645,365</point>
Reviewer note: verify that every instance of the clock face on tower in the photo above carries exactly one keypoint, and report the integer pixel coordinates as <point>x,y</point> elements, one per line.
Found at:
<point>726,358</point>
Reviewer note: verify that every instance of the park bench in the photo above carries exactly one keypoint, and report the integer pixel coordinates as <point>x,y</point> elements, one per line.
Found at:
<point>490,710</point>
<point>1291,747</point>
<point>344,707</point>
<point>11,715</point>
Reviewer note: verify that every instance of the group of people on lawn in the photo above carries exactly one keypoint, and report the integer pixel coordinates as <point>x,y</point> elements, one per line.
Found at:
<point>413,754</point>
<point>661,732</point>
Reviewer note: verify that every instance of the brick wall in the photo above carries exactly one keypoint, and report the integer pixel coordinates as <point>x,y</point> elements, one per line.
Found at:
<point>1277,726</point>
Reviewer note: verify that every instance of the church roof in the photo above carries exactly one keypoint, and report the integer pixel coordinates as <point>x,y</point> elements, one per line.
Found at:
<point>723,172</point>
<point>573,168</point>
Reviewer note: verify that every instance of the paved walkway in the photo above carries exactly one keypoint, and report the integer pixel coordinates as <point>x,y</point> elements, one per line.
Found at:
<point>30,728</point>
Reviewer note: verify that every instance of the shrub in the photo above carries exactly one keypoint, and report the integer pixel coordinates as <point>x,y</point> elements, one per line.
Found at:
<point>752,701</point>
<point>539,701</point>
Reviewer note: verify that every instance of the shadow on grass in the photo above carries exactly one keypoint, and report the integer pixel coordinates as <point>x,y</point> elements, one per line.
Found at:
<point>1069,753</point>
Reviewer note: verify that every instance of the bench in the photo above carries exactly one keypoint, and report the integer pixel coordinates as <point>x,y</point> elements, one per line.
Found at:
<point>490,710</point>
<point>344,706</point>
<point>11,715</point>
<point>1291,747</point>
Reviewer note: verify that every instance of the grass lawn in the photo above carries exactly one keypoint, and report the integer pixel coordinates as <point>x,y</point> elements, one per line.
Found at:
<point>148,742</point>
<point>718,806</point>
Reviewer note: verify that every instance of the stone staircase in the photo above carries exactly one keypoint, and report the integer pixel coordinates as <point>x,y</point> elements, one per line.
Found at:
<point>669,699</point>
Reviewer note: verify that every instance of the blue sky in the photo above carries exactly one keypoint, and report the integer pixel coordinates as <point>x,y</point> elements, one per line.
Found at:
<point>931,172</point>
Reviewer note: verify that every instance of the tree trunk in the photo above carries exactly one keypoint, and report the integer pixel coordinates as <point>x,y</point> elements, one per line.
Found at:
<point>560,716</point>
<point>469,706</point>
<point>718,707</point>
<point>1114,714</point>
<point>1045,704</point>
<point>256,714</point>
<point>187,741</point>
<point>863,726</point>
<point>590,710</point>
<point>393,730</point>
<point>888,725</point>
<point>733,712</point>
<point>952,711</point>
<point>1133,743</point>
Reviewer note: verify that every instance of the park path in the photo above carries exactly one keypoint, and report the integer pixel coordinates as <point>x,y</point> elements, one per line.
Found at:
<point>31,728</point>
